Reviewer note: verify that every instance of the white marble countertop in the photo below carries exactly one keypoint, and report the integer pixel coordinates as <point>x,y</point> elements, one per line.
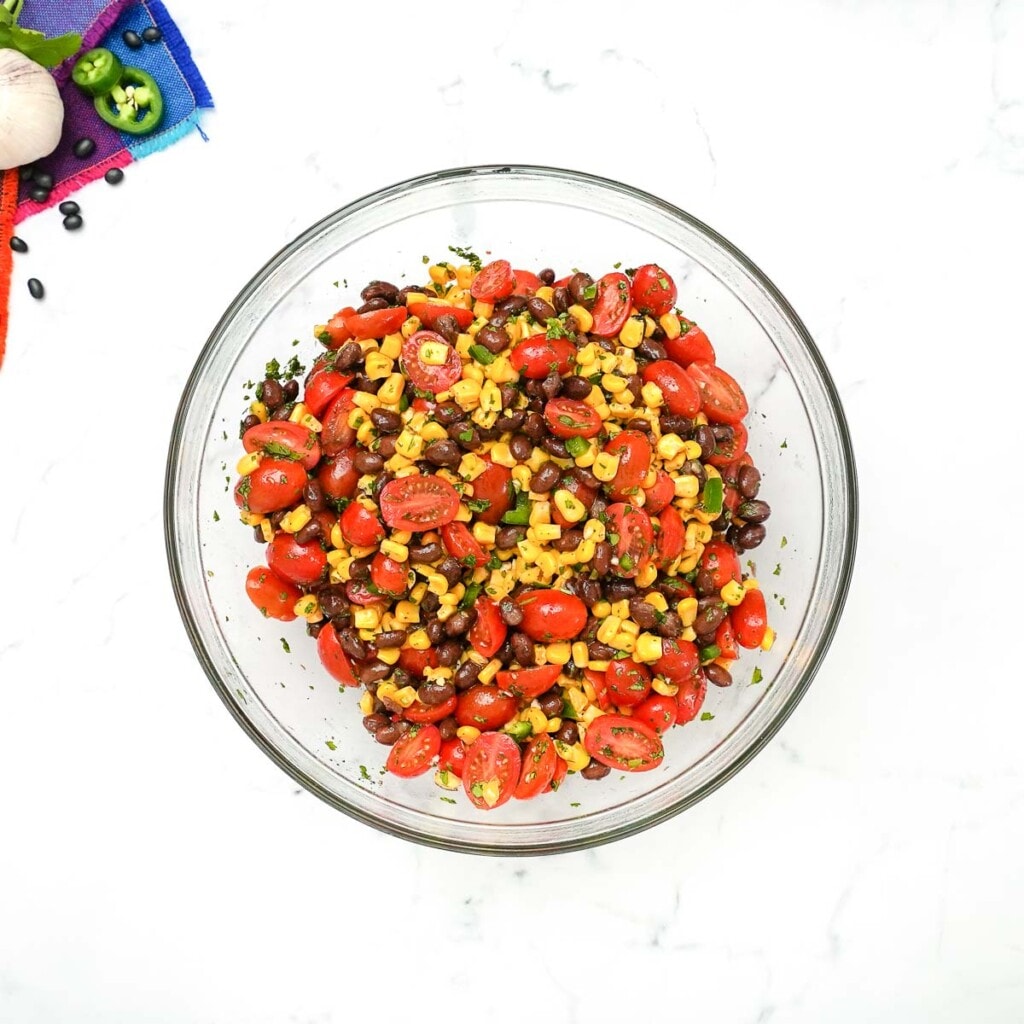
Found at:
<point>869,865</point>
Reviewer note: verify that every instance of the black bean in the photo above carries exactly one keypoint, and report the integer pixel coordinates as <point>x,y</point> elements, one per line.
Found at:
<point>385,446</point>
<point>436,692</point>
<point>571,324</point>
<point>511,613</point>
<point>39,194</point>
<point>722,432</point>
<point>599,651</point>
<point>561,300</point>
<point>309,533</point>
<point>619,590</point>
<point>505,653</point>
<point>35,288</point>
<point>494,339</point>
<point>373,671</point>
<point>555,446</point>
<point>642,613</point>
<point>448,327</point>
<point>352,644</point>
<point>588,591</point>
<point>430,603</point>
<point>599,507</point>
<point>448,413</point>
<point>705,583</point>
<point>434,630</point>
<point>651,350</point>
<point>290,390</point>
<point>717,675</point>
<point>390,638</point>
<point>551,386</point>
<point>634,385</point>
<point>26,172</point>
<point>569,540</point>
<point>694,467</point>
<point>576,387</point>
<point>360,569</point>
<point>546,478</point>
<point>448,727</point>
<point>540,310</point>
<point>568,733</point>
<point>360,382</point>
<point>114,176</point>
<point>711,613</point>
<point>152,34</point>
<point>271,394</point>
<point>498,320</point>
<point>443,453</point>
<point>595,770</point>
<point>449,653</point>
<point>84,148</point>
<point>423,554</point>
<point>248,423</point>
<point>18,244</point>
<point>585,477</point>
<point>578,285</point>
<point>551,703</point>
<point>673,424</point>
<point>451,569</point>
<point>402,299</point>
<point>466,674</point>
<point>257,533</point>
<point>368,462</point>
<point>521,447</point>
<point>44,179</point>
<point>69,207</point>
<point>373,305</point>
<point>73,223</point>
<point>547,276</point>
<point>389,734</point>
<point>754,511</point>
<point>461,622</point>
<point>705,437</point>
<point>533,426</point>
<point>511,420</point>
<point>670,626</point>
<point>313,629</point>
<point>332,601</point>
<point>374,723</point>
<point>313,496</point>
<point>602,560</point>
<point>523,649</point>
<point>348,355</point>
<point>512,306</point>
<point>379,290</point>
<point>132,39</point>
<point>465,435</point>
<point>748,480</point>
<point>386,421</point>
<point>748,537</point>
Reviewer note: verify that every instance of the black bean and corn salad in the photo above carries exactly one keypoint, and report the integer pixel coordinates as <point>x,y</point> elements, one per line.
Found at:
<point>511,508</point>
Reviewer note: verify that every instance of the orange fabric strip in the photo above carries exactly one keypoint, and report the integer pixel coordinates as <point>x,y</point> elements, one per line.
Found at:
<point>8,204</point>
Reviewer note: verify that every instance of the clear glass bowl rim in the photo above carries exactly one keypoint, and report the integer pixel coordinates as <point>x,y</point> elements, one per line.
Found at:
<point>849,546</point>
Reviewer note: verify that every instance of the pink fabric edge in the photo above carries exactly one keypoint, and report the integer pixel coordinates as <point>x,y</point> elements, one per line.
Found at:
<point>92,35</point>
<point>66,188</point>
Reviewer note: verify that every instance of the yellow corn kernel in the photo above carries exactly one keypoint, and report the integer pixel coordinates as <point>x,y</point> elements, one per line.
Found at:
<point>649,326</point>
<point>418,592</point>
<point>308,607</point>
<point>613,384</point>
<point>300,410</point>
<point>399,552</point>
<point>588,458</point>
<point>251,518</point>
<point>687,486</point>
<point>260,411</point>
<point>366,433</point>
<point>397,464</point>
<point>632,332</point>
<point>446,611</point>
<point>401,536</point>
<point>391,390</point>
<point>554,724</point>
<point>671,445</point>
<point>732,593</point>
<point>409,445</point>
<point>447,780</point>
<point>624,641</point>
<point>433,432</point>
<point>540,655</point>
<point>559,653</point>
<point>576,697</point>
<point>466,393</point>
<point>490,792</point>
<point>267,530</point>
<point>437,584</point>
<point>490,397</point>
<point>648,648</point>
<point>364,401</point>
<point>379,366</point>
<point>581,658</point>
<point>540,513</point>
<point>311,423</point>
<point>411,326</point>
<point>438,274</point>
<point>296,519</point>
<point>521,475</point>
<point>652,396</point>
<point>769,639</point>
<point>406,696</point>
<point>368,345</point>
<point>601,610</point>
<point>473,372</point>
<point>594,530</point>
<point>529,551</point>
<point>621,608</point>
<point>647,575</point>
<point>692,450</point>
<point>664,687</point>
<point>545,532</point>
<point>484,309</point>
<point>570,507</point>
<point>537,719</point>
<point>468,733</point>
<point>362,552</point>
<point>657,601</point>
<point>750,584</point>
<point>575,757</point>
<point>248,463</point>
<point>595,398</point>
<point>418,639</point>
<point>606,466</point>
<point>366,703</point>
<point>391,346</point>
<point>583,317</point>
<point>609,627</point>
<point>389,655</point>
<point>441,673</point>
<point>387,690</point>
<point>464,275</point>
<point>548,563</point>
<point>630,627</point>
<point>471,466</point>
<point>501,371</point>
<point>501,454</point>
<point>484,532</point>
<point>669,323</point>
<point>585,550</point>
<point>367,618</point>
<point>449,599</point>
<point>687,609</point>
<point>489,671</point>
<point>689,563</point>
<point>599,665</point>
<point>463,515</point>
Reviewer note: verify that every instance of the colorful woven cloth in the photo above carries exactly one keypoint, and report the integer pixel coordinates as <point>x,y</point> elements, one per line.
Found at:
<point>101,23</point>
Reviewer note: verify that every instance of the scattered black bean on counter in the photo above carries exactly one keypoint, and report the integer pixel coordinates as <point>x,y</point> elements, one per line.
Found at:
<point>35,288</point>
<point>43,179</point>
<point>114,176</point>
<point>69,208</point>
<point>19,244</point>
<point>84,148</point>
<point>152,34</point>
<point>73,222</point>
<point>38,194</point>
<point>132,39</point>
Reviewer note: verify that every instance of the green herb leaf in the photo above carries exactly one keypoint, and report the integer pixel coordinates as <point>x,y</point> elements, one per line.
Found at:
<point>35,46</point>
<point>470,257</point>
<point>331,745</point>
<point>284,644</point>
<point>756,677</point>
<point>777,571</point>
<point>481,355</point>
<point>556,329</point>
<point>466,436</point>
<point>477,504</point>
<point>706,716</point>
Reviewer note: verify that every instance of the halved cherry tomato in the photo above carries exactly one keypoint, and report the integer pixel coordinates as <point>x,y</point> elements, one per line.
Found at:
<point>690,697</point>
<point>725,638</point>
<point>528,683</point>
<point>634,452</point>
<point>671,536</point>
<point>361,527</point>
<point>336,435</point>
<point>628,682</point>
<point>635,535</point>
<point>568,418</point>
<point>495,281</point>
<point>413,751</point>
<point>493,485</point>
<point>418,503</point>
<point>428,313</point>
<point>540,355</point>
<point>679,390</point>
<point>485,707</point>
<point>692,346</point>
<point>653,290</point>
<point>527,282</point>
<point>359,592</point>
<point>453,757</point>
<point>660,495</point>
<point>376,323</point>
<point>750,619</point>
<point>659,712</point>
<point>273,485</point>
<point>492,770</point>
<point>582,492</point>
<point>720,560</point>
<point>722,398</point>
<point>423,375</point>
<point>611,308</point>
<point>284,440</point>
<point>538,769</point>
<point>679,661</point>
<point>322,388</point>
<point>304,564</point>
<point>427,714</point>
<point>415,662</point>
<point>551,615</point>
<point>727,452</point>
<point>274,597</point>
<point>561,770</point>
<point>338,475</point>
<point>624,743</point>
<point>337,332</point>
<point>599,681</point>
<point>461,544</point>
<point>488,633</point>
<point>388,575</point>
<point>334,659</point>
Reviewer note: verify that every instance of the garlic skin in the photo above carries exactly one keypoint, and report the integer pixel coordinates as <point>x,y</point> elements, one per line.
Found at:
<point>31,111</point>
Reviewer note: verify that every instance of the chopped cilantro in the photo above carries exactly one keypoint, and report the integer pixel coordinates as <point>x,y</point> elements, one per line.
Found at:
<point>284,644</point>
<point>470,257</point>
<point>785,444</point>
<point>617,265</point>
<point>477,504</point>
<point>216,516</point>
<point>756,677</point>
<point>575,803</point>
<point>363,773</point>
<point>783,542</point>
<point>446,799</point>
<point>706,716</point>
<point>556,329</point>
<point>777,571</point>
<point>332,745</point>
<point>466,436</point>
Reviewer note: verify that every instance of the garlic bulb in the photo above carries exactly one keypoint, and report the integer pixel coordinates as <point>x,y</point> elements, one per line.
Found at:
<point>31,110</point>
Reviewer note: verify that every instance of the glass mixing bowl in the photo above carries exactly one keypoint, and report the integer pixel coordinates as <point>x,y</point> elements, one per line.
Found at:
<point>268,673</point>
